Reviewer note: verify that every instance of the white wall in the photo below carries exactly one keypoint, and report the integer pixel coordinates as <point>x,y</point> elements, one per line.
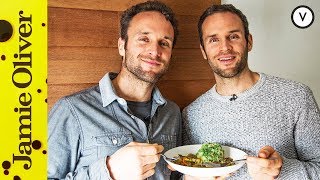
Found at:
<point>280,48</point>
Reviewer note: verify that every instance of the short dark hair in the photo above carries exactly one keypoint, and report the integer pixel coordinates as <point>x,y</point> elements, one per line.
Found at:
<point>143,7</point>
<point>220,9</point>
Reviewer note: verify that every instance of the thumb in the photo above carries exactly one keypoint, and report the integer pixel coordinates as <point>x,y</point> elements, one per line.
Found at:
<point>265,152</point>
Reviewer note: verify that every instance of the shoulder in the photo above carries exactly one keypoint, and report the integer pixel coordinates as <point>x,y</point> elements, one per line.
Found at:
<point>88,95</point>
<point>287,86</point>
<point>172,106</point>
<point>285,90</point>
<point>203,100</point>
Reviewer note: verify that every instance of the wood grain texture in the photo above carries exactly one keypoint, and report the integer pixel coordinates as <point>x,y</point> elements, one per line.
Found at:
<point>90,28</point>
<point>182,7</point>
<point>188,32</point>
<point>70,65</point>
<point>76,27</point>
<point>184,92</point>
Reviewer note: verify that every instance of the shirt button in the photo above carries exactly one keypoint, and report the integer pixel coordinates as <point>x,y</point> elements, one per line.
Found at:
<point>114,141</point>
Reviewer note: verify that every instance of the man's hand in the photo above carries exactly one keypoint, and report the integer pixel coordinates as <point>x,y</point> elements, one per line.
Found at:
<point>266,166</point>
<point>134,161</point>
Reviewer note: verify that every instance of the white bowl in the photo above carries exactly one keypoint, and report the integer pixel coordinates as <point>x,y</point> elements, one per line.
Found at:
<point>234,153</point>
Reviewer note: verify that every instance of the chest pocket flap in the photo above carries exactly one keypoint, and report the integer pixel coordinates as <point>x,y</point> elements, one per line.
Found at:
<point>114,139</point>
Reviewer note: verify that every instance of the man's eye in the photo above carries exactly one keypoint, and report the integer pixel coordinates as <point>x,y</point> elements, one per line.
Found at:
<point>233,36</point>
<point>164,44</point>
<point>144,39</point>
<point>212,40</point>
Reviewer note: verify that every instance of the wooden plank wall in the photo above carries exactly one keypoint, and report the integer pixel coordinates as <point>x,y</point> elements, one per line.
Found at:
<point>83,47</point>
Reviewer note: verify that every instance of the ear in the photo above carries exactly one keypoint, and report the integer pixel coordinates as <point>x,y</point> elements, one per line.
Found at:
<point>121,48</point>
<point>203,53</point>
<point>250,41</point>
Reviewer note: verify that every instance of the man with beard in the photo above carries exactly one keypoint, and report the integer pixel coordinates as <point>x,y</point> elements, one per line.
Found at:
<point>274,120</point>
<point>117,129</point>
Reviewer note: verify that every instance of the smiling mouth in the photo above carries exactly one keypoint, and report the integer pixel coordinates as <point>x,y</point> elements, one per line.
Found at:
<point>226,58</point>
<point>151,62</point>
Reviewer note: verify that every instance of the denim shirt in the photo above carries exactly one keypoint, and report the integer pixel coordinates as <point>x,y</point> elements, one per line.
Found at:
<point>86,127</point>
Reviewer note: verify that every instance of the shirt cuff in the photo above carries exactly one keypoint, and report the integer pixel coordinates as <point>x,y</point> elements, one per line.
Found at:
<point>99,170</point>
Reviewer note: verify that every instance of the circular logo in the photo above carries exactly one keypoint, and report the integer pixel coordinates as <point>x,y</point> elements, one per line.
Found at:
<point>5,31</point>
<point>302,16</point>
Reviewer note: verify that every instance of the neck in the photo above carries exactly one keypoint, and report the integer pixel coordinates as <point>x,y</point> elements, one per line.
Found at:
<point>236,85</point>
<point>129,87</point>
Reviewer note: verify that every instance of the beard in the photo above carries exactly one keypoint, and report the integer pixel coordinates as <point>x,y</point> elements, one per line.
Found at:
<point>132,65</point>
<point>240,65</point>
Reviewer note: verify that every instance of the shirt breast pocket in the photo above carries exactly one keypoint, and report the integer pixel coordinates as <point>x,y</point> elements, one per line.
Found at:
<point>108,144</point>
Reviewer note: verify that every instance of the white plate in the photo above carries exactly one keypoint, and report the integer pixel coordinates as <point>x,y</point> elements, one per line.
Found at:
<point>234,153</point>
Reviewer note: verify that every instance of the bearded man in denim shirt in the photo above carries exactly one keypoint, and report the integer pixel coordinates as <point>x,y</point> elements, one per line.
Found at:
<point>117,129</point>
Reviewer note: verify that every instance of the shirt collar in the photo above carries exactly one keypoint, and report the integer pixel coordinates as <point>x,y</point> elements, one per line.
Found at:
<point>108,94</point>
<point>157,96</point>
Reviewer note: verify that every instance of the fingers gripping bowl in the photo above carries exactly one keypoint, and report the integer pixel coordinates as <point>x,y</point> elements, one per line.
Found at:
<point>231,152</point>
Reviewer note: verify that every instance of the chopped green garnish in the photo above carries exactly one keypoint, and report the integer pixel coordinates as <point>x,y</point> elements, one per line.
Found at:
<point>211,152</point>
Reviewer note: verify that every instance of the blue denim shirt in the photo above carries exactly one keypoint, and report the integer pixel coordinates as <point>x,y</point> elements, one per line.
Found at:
<point>86,127</point>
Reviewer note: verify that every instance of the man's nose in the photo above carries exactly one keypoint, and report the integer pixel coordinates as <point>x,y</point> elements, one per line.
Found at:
<point>154,50</point>
<point>225,45</point>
